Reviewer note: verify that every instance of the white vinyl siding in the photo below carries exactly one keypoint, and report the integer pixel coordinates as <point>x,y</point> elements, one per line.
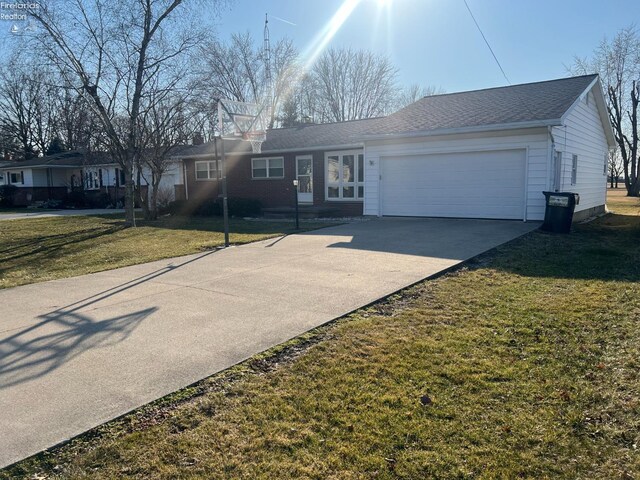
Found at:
<point>264,168</point>
<point>583,135</point>
<point>21,178</point>
<point>16,178</point>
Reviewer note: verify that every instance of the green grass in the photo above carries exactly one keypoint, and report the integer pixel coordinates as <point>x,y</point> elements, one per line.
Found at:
<point>528,357</point>
<point>35,250</point>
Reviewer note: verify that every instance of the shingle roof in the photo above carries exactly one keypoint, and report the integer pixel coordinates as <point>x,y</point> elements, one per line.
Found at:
<point>302,137</point>
<point>320,135</point>
<point>64,159</point>
<point>529,102</point>
<point>524,103</point>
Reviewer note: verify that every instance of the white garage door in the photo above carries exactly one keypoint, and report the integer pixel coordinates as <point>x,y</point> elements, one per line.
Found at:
<point>463,185</point>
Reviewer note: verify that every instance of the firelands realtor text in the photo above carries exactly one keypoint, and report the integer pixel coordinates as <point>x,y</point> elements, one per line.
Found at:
<point>17,11</point>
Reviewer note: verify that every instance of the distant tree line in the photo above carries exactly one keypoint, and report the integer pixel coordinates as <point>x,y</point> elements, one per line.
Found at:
<point>618,63</point>
<point>136,85</point>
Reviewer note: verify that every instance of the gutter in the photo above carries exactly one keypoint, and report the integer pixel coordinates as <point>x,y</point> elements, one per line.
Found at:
<point>301,149</point>
<point>482,128</point>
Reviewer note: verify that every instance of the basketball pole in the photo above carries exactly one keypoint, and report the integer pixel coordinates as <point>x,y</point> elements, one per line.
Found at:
<point>223,173</point>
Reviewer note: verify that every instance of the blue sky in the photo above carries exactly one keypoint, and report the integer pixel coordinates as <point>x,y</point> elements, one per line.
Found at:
<point>434,42</point>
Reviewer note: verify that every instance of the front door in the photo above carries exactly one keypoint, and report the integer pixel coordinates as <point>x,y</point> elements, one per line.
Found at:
<point>304,174</point>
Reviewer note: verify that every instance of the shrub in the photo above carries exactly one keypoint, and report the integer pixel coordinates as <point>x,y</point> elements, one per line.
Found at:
<point>75,199</point>
<point>212,207</point>
<point>243,207</point>
<point>7,195</point>
<point>98,200</point>
<point>177,207</point>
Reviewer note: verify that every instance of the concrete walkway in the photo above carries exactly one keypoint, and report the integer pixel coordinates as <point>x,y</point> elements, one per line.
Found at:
<point>57,213</point>
<point>77,352</point>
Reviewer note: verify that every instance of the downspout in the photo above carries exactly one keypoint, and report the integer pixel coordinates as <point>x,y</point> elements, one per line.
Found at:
<point>552,165</point>
<point>186,181</point>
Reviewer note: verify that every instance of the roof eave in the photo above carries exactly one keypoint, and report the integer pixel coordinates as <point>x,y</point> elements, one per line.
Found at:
<point>344,146</point>
<point>474,129</point>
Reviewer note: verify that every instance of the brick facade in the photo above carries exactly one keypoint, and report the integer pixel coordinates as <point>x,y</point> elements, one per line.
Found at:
<point>271,192</point>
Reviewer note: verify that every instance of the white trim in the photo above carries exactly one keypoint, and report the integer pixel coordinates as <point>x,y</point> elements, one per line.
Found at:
<point>481,128</point>
<point>305,157</point>
<point>352,146</point>
<point>526,183</point>
<point>301,150</point>
<point>208,179</point>
<point>268,159</point>
<point>550,149</point>
<point>577,101</point>
<point>600,105</point>
<point>477,148</point>
<point>340,184</point>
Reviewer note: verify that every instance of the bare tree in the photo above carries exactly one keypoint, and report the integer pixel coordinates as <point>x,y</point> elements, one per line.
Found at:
<point>231,69</point>
<point>618,62</point>
<point>413,93</point>
<point>615,167</point>
<point>354,84</point>
<point>111,52</point>
<point>236,70</point>
<point>164,124</point>
<point>27,109</point>
<point>285,72</point>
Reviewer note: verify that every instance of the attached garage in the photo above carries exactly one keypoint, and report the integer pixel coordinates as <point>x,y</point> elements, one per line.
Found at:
<point>488,184</point>
<point>491,153</point>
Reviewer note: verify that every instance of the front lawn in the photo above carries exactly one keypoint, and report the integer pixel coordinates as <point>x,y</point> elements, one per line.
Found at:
<point>35,250</point>
<point>522,364</point>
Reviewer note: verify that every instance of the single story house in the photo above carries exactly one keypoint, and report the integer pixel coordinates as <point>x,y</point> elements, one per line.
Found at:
<point>54,177</point>
<point>480,154</point>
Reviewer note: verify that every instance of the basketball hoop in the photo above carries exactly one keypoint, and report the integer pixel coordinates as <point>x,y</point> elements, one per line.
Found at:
<point>255,139</point>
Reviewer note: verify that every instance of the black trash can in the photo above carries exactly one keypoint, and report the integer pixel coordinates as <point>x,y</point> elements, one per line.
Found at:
<point>558,213</point>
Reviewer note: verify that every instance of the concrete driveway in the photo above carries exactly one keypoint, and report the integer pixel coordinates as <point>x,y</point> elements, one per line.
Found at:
<point>77,352</point>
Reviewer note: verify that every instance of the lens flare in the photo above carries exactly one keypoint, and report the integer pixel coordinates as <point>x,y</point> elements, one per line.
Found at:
<point>320,42</point>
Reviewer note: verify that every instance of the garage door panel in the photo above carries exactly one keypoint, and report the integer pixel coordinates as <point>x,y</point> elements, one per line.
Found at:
<point>473,185</point>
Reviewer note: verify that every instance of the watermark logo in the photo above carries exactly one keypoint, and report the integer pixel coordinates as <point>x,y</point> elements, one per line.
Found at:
<point>17,12</point>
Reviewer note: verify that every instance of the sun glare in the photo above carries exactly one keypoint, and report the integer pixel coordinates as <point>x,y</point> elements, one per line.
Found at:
<point>320,42</point>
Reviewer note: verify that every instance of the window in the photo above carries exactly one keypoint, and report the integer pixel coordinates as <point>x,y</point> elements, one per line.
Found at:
<point>91,180</point>
<point>207,170</point>
<point>120,180</point>
<point>574,170</point>
<point>16,177</point>
<point>267,167</point>
<point>345,176</point>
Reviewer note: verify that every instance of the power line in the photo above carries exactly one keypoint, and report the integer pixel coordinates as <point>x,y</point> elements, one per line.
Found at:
<point>487,42</point>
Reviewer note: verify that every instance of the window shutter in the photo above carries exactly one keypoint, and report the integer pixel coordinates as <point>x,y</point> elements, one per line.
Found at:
<point>22,177</point>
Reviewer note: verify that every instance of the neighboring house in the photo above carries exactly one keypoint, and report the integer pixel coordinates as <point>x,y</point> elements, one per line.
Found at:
<point>54,177</point>
<point>3,175</point>
<point>480,154</point>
